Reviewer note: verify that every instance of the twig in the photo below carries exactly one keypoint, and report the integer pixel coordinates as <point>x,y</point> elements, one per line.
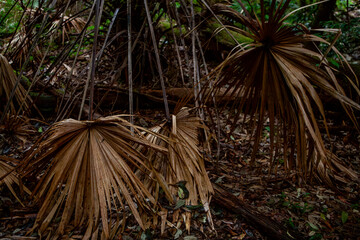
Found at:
<point>92,61</point>
<point>157,59</point>
<point>130,78</point>
<point>25,64</point>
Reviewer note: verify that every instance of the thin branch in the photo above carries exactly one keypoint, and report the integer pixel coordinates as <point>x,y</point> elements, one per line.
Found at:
<point>98,57</point>
<point>157,59</point>
<point>196,75</point>
<point>130,78</point>
<point>12,94</point>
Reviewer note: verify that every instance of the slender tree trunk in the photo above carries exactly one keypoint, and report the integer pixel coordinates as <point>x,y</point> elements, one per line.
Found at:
<point>324,13</point>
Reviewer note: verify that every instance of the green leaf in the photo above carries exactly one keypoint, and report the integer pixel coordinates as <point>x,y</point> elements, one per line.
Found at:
<point>193,207</point>
<point>219,180</point>
<point>179,204</point>
<point>334,62</point>
<point>147,235</point>
<point>40,130</point>
<point>181,193</point>
<point>344,217</point>
<point>291,223</point>
<point>178,234</point>
<point>286,204</point>
<point>190,237</point>
<point>313,226</point>
<point>312,233</point>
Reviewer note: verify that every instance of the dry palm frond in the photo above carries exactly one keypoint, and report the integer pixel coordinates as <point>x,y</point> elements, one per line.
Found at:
<point>7,82</point>
<point>69,25</point>
<point>19,47</point>
<point>276,77</point>
<point>11,177</point>
<point>17,128</point>
<point>89,175</point>
<point>183,164</point>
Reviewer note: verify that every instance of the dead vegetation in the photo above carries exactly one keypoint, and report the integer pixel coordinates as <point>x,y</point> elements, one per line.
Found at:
<point>93,173</point>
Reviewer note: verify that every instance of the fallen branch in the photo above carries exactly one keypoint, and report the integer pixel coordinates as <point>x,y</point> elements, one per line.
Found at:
<point>266,226</point>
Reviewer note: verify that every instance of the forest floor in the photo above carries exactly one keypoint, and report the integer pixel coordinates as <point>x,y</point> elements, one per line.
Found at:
<point>315,210</point>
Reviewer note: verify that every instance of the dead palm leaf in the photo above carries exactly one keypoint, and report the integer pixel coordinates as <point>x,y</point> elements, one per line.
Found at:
<point>68,25</point>
<point>89,175</point>
<point>19,47</point>
<point>10,176</point>
<point>7,82</point>
<point>183,164</point>
<point>276,77</point>
<point>16,128</point>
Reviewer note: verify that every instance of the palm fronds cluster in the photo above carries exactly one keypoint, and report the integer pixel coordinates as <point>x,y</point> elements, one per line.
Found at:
<point>95,173</point>
<point>277,77</point>
<point>90,174</point>
<point>16,129</point>
<point>67,25</point>
<point>182,168</point>
<point>7,169</point>
<point>8,84</point>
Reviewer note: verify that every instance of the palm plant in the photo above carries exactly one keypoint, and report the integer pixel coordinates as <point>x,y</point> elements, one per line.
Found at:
<point>8,81</point>
<point>67,25</point>
<point>16,128</point>
<point>183,166</point>
<point>19,46</point>
<point>277,76</point>
<point>89,175</point>
<point>9,177</point>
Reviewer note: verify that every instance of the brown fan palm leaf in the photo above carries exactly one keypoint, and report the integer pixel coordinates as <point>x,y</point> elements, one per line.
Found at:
<point>276,77</point>
<point>7,83</point>
<point>89,175</point>
<point>16,128</point>
<point>69,25</point>
<point>183,163</point>
<point>19,47</point>
<point>9,177</point>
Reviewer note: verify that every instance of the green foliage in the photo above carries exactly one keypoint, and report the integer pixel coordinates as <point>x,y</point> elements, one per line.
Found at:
<point>254,7</point>
<point>342,5</point>
<point>9,20</point>
<point>291,223</point>
<point>251,6</point>
<point>350,36</point>
<point>344,217</point>
<point>300,208</point>
<point>350,27</point>
<point>224,38</point>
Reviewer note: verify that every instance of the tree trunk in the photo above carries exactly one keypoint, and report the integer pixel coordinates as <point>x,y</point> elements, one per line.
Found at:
<point>324,13</point>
